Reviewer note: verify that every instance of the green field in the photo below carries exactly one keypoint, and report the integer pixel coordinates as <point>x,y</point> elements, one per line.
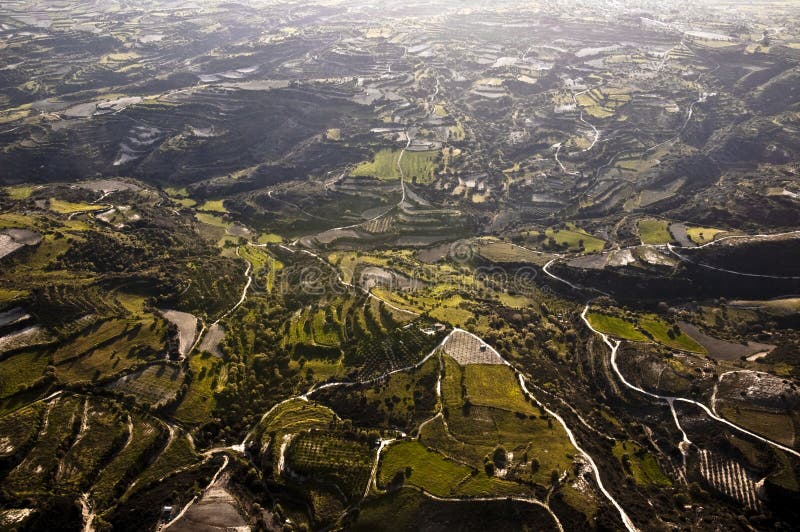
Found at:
<point>660,331</point>
<point>21,370</point>
<point>647,327</point>
<point>200,400</point>
<point>640,464</point>
<point>68,207</point>
<point>474,430</point>
<point>572,238</point>
<point>654,231</point>
<point>615,326</point>
<point>7,295</point>
<point>776,426</point>
<point>296,415</point>
<point>496,386</point>
<point>429,469</point>
<point>418,166</point>
<point>109,349</point>
<point>20,192</point>
<point>212,220</point>
<point>507,252</point>
<point>702,235</point>
<point>213,206</point>
<point>269,238</point>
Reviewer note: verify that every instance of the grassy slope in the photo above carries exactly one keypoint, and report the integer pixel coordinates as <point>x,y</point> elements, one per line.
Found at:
<point>429,469</point>
<point>654,231</point>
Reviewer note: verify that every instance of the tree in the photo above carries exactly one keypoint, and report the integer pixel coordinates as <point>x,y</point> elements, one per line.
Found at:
<point>500,457</point>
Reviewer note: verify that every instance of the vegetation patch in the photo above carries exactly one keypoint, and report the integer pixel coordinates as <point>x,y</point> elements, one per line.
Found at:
<point>412,463</point>
<point>208,378</point>
<point>566,238</point>
<point>68,207</point>
<point>615,326</point>
<point>333,457</point>
<point>641,465</point>
<point>654,232</point>
<point>418,166</point>
<point>495,385</point>
<point>702,235</point>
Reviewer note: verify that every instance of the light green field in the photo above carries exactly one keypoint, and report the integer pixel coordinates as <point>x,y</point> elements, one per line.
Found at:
<point>421,165</point>
<point>210,219</point>
<point>176,192</point>
<point>702,235</point>
<point>429,470</point>
<point>615,326</point>
<point>658,330</point>
<point>457,317</point>
<point>68,207</point>
<point>520,302</point>
<point>654,232</point>
<point>507,252</point>
<point>47,251</point>
<point>213,206</point>
<point>496,386</point>
<point>19,193</point>
<point>12,219</point>
<point>186,202</point>
<point>269,238</point>
<point>573,237</point>
<point>7,295</point>
<point>642,466</point>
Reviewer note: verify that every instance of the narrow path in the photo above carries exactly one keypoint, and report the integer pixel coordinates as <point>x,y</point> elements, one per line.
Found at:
<point>575,413</point>
<point>372,483</point>
<point>87,513</point>
<point>248,274</point>
<point>196,497</point>
<point>596,132</point>
<point>624,516</point>
<point>536,502</point>
<point>285,442</point>
<point>130,434</point>
<point>546,270</point>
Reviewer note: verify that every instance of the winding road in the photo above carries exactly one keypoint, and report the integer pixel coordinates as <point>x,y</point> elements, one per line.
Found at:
<point>670,400</point>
